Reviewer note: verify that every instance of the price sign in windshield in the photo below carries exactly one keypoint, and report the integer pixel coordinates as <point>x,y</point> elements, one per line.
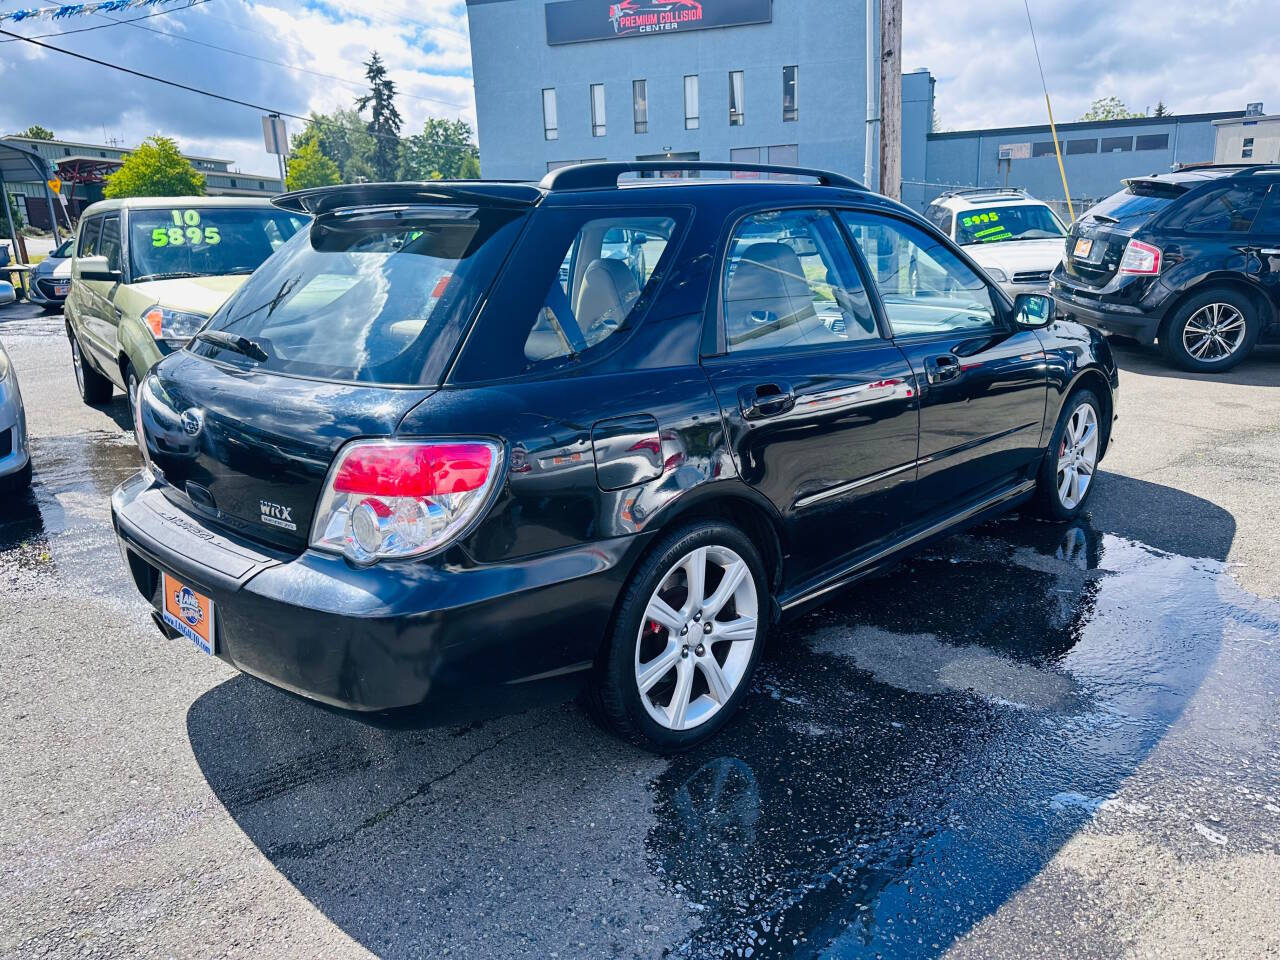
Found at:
<point>187,230</point>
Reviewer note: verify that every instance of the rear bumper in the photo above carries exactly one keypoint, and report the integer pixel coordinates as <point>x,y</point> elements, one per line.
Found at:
<point>456,640</point>
<point>1103,308</point>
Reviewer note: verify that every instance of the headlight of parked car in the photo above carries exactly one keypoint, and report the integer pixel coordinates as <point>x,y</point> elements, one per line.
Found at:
<point>996,274</point>
<point>173,326</point>
<point>4,366</point>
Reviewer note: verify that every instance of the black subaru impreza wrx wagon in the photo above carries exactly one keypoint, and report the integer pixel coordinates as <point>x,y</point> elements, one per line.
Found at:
<point>476,444</point>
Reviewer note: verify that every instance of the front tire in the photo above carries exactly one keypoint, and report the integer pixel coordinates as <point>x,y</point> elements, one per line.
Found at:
<point>686,639</point>
<point>1211,332</point>
<point>95,389</point>
<point>1066,474</point>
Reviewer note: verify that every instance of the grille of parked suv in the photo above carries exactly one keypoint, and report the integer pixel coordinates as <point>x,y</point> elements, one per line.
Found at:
<point>47,286</point>
<point>1032,276</point>
<point>6,442</point>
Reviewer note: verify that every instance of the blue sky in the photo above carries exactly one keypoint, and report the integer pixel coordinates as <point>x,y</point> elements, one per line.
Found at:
<point>1196,56</point>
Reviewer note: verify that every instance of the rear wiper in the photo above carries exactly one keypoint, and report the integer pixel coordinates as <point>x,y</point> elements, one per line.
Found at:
<point>231,341</point>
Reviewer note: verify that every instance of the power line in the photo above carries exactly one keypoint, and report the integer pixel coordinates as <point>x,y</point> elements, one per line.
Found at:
<point>206,93</point>
<point>287,66</point>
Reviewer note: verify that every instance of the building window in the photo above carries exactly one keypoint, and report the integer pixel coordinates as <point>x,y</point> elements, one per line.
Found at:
<point>233,182</point>
<point>1154,141</point>
<point>1042,148</point>
<point>737,92</point>
<point>640,105</point>
<point>597,110</point>
<point>1082,146</point>
<point>1246,153</point>
<point>550,124</point>
<point>785,154</point>
<point>790,92</point>
<point>1117,144</point>
<point>1248,142</point>
<point>66,151</point>
<point>744,155</point>
<point>691,102</point>
<point>262,185</point>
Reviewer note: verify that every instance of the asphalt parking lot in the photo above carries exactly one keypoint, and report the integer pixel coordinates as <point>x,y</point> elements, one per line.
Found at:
<point>1032,740</point>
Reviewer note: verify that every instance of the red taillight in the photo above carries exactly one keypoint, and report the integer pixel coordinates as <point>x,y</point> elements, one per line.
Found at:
<point>413,470</point>
<point>403,498</point>
<point>1140,258</point>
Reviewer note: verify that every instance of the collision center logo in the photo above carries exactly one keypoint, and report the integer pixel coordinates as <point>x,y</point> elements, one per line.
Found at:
<point>189,606</point>
<point>634,16</point>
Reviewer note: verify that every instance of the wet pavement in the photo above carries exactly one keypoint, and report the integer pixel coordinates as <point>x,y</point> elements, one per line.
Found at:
<point>1032,740</point>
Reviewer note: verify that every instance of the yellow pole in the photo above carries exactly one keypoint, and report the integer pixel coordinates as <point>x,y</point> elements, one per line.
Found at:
<point>1057,148</point>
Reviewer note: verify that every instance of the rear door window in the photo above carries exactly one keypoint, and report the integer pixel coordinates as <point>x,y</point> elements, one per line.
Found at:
<point>1230,208</point>
<point>372,296</point>
<point>790,282</point>
<point>1267,223</point>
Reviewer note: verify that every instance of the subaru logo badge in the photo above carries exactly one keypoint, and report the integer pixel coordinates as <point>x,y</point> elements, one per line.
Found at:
<point>192,422</point>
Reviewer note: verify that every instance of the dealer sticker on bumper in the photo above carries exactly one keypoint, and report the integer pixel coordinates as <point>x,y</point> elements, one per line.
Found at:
<point>188,612</point>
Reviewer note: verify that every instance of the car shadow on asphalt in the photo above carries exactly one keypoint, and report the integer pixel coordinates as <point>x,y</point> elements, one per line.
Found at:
<point>1260,369</point>
<point>911,755</point>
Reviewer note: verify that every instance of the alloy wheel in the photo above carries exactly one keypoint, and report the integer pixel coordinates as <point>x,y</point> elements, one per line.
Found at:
<point>1214,332</point>
<point>697,637</point>
<point>1077,456</point>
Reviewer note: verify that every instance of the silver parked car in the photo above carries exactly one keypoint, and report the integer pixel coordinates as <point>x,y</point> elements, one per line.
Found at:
<point>15,460</point>
<point>51,277</point>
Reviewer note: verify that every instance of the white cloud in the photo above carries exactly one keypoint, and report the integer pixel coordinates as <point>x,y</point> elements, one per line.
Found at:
<point>424,44</point>
<point>1195,56</point>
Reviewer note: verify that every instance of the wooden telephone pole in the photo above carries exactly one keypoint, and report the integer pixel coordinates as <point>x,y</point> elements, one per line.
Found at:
<point>891,98</point>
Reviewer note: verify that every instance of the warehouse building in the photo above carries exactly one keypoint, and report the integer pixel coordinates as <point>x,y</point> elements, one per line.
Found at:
<point>83,168</point>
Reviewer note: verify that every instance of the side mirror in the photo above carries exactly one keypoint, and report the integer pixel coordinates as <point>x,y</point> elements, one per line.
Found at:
<point>1032,311</point>
<point>97,268</point>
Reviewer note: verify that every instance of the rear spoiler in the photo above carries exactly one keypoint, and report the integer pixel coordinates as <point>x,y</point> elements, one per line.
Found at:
<point>489,193</point>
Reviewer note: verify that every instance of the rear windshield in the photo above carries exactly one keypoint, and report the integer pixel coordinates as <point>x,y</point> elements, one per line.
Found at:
<point>1140,198</point>
<point>371,296</point>
<point>185,241</point>
<point>1027,221</point>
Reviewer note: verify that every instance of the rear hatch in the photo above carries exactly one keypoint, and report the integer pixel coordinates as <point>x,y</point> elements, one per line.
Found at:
<point>337,336</point>
<point>1097,240</point>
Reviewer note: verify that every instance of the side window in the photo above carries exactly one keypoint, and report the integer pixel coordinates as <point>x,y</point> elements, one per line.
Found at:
<point>109,245</point>
<point>597,285</point>
<point>940,217</point>
<point>1226,209</point>
<point>925,287</point>
<point>89,237</point>
<point>789,282</point>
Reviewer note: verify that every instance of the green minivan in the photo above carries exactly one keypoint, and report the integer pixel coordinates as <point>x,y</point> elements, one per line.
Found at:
<point>147,272</point>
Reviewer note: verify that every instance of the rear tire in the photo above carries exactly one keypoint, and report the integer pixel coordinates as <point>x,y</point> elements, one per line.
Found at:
<point>1211,332</point>
<point>680,655</point>
<point>1067,471</point>
<point>95,389</point>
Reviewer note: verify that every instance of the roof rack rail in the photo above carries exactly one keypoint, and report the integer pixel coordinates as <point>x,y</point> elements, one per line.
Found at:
<point>966,191</point>
<point>604,176</point>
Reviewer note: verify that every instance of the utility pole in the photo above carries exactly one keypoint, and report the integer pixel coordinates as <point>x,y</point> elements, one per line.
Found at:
<point>871,152</point>
<point>891,98</point>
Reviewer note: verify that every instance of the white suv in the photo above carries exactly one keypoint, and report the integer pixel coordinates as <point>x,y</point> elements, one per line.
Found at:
<point>1016,238</point>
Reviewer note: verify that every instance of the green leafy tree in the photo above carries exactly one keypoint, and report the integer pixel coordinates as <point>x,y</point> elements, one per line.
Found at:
<point>341,136</point>
<point>384,122</point>
<point>37,132</point>
<point>442,151</point>
<point>1109,108</point>
<point>155,169</point>
<point>308,167</point>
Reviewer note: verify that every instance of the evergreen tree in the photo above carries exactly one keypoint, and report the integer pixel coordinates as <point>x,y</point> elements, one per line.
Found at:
<point>384,121</point>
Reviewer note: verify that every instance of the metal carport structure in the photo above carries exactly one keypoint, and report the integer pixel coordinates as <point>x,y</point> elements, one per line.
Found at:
<point>17,165</point>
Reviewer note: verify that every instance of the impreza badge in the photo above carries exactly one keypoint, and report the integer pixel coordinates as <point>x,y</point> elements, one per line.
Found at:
<point>276,515</point>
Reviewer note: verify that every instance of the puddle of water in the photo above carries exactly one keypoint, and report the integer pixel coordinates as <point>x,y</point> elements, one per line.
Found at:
<point>919,749</point>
